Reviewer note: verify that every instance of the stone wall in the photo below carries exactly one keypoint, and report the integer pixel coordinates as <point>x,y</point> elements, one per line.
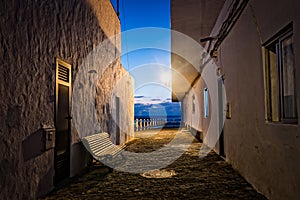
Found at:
<point>32,35</point>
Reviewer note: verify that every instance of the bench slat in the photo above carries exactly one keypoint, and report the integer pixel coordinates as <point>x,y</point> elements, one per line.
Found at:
<point>101,146</point>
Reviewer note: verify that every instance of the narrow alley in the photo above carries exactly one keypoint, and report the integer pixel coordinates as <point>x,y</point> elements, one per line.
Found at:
<point>83,79</point>
<point>188,177</point>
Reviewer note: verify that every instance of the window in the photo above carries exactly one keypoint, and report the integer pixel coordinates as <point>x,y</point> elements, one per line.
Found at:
<point>280,78</point>
<point>206,100</point>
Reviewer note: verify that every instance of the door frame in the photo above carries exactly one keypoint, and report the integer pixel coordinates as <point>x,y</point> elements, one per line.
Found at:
<point>68,84</point>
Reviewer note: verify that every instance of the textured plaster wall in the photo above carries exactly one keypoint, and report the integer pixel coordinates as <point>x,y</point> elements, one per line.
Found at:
<point>119,85</point>
<point>124,90</point>
<point>195,19</point>
<point>191,118</point>
<point>106,16</point>
<point>266,154</point>
<point>184,13</point>
<point>32,35</point>
<point>195,120</point>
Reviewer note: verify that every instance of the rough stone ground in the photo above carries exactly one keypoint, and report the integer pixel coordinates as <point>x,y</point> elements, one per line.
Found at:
<point>191,177</point>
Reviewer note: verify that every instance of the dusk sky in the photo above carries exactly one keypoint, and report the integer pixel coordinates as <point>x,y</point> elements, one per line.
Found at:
<point>139,14</point>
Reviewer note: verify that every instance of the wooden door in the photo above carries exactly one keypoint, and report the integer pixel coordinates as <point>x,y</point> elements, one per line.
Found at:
<point>118,131</point>
<point>62,121</point>
<point>221,117</point>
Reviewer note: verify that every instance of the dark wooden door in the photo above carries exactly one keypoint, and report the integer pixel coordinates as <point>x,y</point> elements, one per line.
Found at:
<point>221,117</point>
<point>118,131</point>
<point>62,122</point>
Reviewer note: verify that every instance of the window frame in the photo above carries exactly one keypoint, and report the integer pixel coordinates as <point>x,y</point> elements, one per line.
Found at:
<point>276,41</point>
<point>205,103</point>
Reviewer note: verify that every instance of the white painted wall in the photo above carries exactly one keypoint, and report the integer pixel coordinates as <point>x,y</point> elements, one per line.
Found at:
<point>266,154</point>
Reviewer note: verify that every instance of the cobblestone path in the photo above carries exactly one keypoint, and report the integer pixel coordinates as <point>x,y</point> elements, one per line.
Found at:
<point>188,177</point>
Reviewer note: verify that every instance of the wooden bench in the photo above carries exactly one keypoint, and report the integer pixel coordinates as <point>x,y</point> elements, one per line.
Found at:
<point>101,147</point>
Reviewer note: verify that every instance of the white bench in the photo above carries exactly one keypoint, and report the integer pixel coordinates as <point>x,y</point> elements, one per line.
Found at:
<point>101,147</point>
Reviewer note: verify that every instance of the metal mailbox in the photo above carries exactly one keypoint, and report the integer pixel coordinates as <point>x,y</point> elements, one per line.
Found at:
<point>48,136</point>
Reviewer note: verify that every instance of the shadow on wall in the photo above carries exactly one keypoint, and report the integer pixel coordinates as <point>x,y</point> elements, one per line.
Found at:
<point>13,116</point>
<point>45,181</point>
<point>33,145</point>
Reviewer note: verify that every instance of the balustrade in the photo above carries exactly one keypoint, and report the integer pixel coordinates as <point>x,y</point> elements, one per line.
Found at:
<point>141,123</point>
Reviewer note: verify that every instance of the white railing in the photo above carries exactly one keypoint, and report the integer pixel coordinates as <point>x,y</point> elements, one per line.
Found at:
<point>141,124</point>
<point>144,123</point>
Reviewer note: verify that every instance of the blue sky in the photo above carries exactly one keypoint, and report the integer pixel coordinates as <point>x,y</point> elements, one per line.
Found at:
<point>146,13</point>
<point>141,13</point>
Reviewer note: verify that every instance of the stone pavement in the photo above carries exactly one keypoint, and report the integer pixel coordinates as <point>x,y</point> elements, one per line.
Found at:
<point>188,177</point>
